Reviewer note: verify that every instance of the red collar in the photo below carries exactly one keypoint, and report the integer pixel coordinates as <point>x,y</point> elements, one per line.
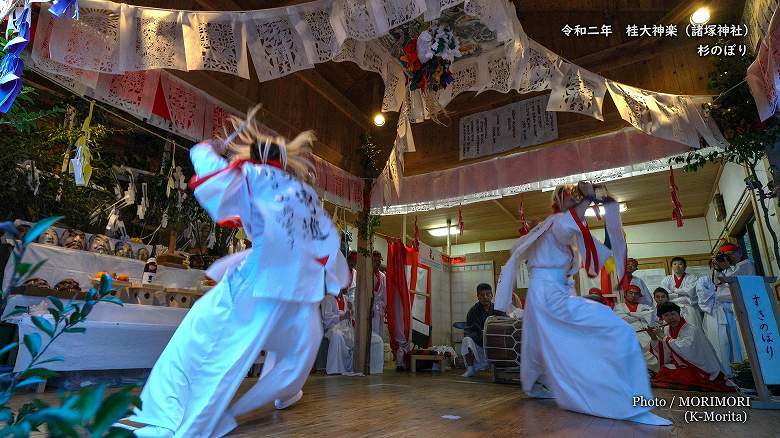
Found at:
<point>631,307</point>
<point>196,181</point>
<point>678,280</point>
<point>675,331</point>
<point>340,302</point>
<point>591,254</point>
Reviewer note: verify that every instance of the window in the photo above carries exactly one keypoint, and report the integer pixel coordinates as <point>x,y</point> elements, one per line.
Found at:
<point>747,240</point>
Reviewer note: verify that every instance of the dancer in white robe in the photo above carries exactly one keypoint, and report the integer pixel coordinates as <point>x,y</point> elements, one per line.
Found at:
<point>267,297</point>
<point>682,291</point>
<point>337,322</point>
<point>562,331</point>
<point>640,316</point>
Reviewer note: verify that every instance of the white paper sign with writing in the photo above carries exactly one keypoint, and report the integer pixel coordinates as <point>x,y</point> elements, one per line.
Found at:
<point>519,124</point>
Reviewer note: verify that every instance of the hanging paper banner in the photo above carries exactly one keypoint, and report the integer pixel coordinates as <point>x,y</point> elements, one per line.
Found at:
<point>763,75</point>
<point>577,90</point>
<point>633,104</point>
<point>519,124</point>
<point>92,42</point>
<point>151,39</point>
<point>537,71</point>
<point>215,41</point>
<point>673,120</point>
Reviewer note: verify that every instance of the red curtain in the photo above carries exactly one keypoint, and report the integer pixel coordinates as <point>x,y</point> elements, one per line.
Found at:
<point>398,256</point>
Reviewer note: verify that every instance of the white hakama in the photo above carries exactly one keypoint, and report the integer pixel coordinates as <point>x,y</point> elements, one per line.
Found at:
<point>580,349</point>
<point>684,296</point>
<point>641,318</point>
<point>267,299</point>
<point>341,338</point>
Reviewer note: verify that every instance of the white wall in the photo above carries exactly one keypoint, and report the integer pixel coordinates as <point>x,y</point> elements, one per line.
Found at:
<point>735,196</point>
<point>664,239</point>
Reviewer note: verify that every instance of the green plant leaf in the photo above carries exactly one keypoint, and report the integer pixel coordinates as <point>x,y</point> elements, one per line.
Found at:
<point>75,330</point>
<point>43,324</point>
<point>22,268</point>
<point>110,299</point>
<point>30,381</point>
<point>35,268</point>
<point>118,432</point>
<point>105,285</point>
<point>57,303</point>
<point>113,408</point>
<point>56,415</point>
<point>15,312</point>
<point>33,343</point>
<point>9,347</point>
<point>89,400</point>
<point>6,415</point>
<point>55,314</point>
<point>38,229</point>
<point>51,359</point>
<point>39,372</point>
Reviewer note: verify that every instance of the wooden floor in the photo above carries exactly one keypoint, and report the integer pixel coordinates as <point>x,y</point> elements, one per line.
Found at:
<point>406,405</point>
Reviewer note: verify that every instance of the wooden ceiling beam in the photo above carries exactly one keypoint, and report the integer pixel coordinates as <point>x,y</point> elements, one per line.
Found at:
<point>505,210</point>
<point>322,86</point>
<point>310,77</point>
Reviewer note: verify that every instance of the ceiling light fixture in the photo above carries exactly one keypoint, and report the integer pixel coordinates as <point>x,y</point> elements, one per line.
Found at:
<point>379,120</point>
<point>590,212</point>
<point>442,231</point>
<point>701,16</point>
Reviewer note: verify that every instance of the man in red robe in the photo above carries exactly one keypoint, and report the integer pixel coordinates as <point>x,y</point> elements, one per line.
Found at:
<point>687,359</point>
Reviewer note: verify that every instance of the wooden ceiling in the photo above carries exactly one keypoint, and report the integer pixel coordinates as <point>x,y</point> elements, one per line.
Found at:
<point>338,99</point>
<point>647,198</point>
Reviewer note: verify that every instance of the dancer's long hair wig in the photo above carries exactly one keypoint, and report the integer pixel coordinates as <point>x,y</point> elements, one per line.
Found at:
<point>247,141</point>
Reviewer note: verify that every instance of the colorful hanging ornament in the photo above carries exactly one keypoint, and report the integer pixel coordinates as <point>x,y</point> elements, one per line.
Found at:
<point>524,228</point>
<point>677,213</point>
<point>80,166</point>
<point>11,65</point>
<point>461,224</point>
<point>60,8</point>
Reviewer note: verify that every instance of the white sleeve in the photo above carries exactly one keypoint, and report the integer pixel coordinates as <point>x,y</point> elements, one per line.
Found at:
<point>336,273</point>
<point>218,187</point>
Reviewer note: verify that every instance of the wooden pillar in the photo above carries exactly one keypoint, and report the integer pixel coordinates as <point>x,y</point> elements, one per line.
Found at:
<point>363,296</point>
<point>403,229</point>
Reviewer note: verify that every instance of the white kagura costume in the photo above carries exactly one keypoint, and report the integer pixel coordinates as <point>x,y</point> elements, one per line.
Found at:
<point>580,349</point>
<point>340,334</point>
<point>682,291</point>
<point>267,299</point>
<point>639,317</point>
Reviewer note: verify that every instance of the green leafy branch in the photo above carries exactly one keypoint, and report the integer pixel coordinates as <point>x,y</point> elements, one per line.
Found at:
<point>86,413</point>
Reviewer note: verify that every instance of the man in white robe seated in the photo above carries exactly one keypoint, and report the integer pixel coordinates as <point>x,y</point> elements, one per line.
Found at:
<point>631,266</point>
<point>682,291</point>
<point>337,321</point>
<point>639,316</point>
<point>472,348</point>
<point>688,361</point>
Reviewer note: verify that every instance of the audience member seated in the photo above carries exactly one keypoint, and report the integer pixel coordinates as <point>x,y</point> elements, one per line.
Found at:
<point>660,295</point>
<point>336,317</point>
<point>688,361</point>
<point>471,348</point>
<point>639,316</point>
<point>682,291</point>
<point>631,266</point>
